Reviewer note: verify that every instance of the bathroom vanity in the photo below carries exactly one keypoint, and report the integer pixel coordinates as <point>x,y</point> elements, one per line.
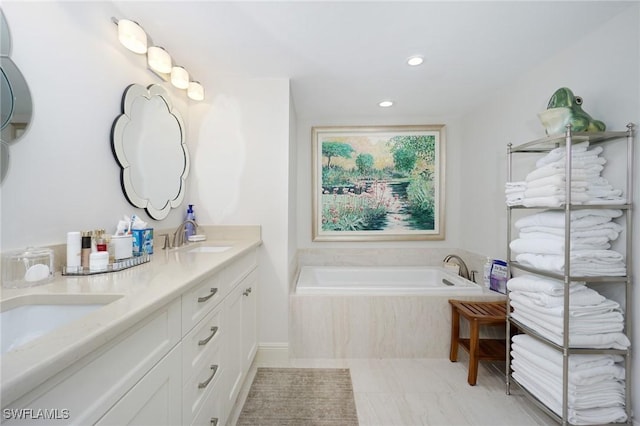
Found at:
<point>168,342</point>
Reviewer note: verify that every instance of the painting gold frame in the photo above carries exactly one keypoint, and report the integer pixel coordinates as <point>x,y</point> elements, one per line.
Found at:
<point>378,183</point>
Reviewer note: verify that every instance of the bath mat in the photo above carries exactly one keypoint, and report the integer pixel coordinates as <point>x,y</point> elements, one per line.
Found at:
<point>300,396</point>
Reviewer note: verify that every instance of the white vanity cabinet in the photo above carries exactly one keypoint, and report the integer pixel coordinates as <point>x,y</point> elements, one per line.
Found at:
<point>214,364</point>
<point>179,366</point>
<point>120,373</point>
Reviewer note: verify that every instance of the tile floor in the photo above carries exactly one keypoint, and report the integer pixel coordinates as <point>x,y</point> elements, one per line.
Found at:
<point>408,392</point>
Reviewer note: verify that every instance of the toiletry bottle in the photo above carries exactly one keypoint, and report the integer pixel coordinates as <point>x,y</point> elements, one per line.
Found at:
<point>101,243</point>
<point>190,229</point>
<point>73,251</point>
<point>486,276</point>
<point>110,249</point>
<point>86,248</point>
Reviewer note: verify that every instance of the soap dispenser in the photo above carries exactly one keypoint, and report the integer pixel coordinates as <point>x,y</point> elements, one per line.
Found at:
<point>190,229</point>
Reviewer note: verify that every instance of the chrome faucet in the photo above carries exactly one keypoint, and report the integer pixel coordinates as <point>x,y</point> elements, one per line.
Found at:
<point>178,236</point>
<point>464,271</point>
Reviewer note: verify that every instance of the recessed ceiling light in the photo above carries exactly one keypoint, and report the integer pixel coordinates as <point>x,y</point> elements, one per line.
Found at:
<point>415,60</point>
<point>386,104</point>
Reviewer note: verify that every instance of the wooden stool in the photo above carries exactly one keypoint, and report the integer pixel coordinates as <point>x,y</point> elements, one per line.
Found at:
<point>477,313</point>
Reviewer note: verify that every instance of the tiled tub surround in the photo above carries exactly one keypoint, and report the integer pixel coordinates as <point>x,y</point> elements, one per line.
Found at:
<point>142,290</point>
<point>373,326</point>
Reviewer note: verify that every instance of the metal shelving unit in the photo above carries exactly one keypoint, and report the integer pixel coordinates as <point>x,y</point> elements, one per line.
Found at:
<point>545,145</point>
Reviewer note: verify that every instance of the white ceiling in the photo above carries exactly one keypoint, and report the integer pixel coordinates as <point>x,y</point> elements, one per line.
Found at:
<point>344,57</point>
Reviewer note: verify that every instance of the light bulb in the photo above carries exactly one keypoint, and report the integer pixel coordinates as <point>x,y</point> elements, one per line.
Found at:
<point>179,77</point>
<point>132,36</point>
<point>159,59</point>
<point>195,91</point>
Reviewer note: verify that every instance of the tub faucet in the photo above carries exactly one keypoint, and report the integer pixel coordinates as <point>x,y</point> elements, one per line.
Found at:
<point>178,236</point>
<point>464,271</point>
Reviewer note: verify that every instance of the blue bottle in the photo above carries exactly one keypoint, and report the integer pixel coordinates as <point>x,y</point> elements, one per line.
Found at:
<point>189,228</point>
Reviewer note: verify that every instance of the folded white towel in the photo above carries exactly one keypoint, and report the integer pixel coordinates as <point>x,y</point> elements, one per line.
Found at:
<point>586,218</point>
<point>535,283</point>
<point>602,192</point>
<point>611,322</point>
<point>516,184</point>
<point>592,416</point>
<point>607,200</point>
<point>582,162</point>
<point>576,361</point>
<point>578,241</point>
<point>553,169</point>
<point>583,263</point>
<point>604,393</point>
<point>551,190</point>
<point>614,340</point>
<point>555,200</point>
<point>586,297</point>
<point>551,245</point>
<point>560,153</point>
<point>557,180</point>
<point>610,230</point>
<point>577,327</point>
<point>581,380</point>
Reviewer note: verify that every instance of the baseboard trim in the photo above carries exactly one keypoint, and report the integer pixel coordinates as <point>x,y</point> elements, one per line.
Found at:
<point>272,352</point>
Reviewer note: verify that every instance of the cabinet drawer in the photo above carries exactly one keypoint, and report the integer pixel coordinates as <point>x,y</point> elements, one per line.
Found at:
<point>212,412</point>
<point>96,382</point>
<point>201,342</point>
<point>197,303</point>
<point>205,378</point>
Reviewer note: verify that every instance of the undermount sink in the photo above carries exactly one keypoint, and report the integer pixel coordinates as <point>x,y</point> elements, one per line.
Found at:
<point>26,318</point>
<point>209,249</point>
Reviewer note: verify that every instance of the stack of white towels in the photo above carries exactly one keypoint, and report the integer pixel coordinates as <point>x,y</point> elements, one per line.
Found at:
<point>596,391</point>
<point>594,321</point>
<point>545,186</point>
<point>541,242</point>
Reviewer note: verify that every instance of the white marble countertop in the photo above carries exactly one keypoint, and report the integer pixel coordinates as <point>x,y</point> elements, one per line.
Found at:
<point>139,291</point>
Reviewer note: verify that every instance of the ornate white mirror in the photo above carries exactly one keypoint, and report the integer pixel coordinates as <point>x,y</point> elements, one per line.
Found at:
<point>148,142</point>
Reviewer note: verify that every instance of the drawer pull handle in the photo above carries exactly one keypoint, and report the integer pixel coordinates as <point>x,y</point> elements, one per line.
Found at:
<point>247,291</point>
<point>203,342</point>
<point>206,382</point>
<point>205,298</point>
<point>214,421</point>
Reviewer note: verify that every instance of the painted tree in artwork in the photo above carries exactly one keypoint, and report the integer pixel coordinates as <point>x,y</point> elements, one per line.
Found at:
<point>336,149</point>
<point>422,146</point>
<point>415,155</point>
<point>364,163</point>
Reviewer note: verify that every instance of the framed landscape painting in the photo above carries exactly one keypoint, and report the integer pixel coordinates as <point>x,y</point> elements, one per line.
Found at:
<point>378,183</point>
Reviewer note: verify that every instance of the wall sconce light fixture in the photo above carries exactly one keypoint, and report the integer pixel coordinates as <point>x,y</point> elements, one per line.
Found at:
<point>134,38</point>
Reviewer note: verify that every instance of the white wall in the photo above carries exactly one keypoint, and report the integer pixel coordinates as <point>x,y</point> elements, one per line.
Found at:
<point>603,68</point>
<point>240,176</point>
<point>63,176</point>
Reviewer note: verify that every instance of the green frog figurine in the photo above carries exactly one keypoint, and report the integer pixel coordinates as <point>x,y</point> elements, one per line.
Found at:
<point>580,121</point>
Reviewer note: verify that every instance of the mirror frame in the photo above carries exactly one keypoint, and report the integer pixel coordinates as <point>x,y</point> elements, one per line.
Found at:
<point>118,142</point>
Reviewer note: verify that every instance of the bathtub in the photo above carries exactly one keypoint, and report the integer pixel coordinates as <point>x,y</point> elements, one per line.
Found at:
<point>382,280</point>
<point>377,311</point>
